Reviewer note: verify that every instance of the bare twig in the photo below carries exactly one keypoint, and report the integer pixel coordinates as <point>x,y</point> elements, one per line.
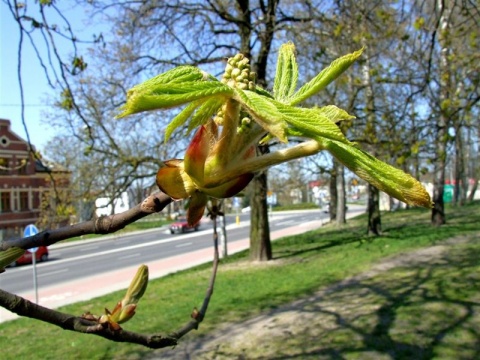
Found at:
<point>79,324</point>
<point>199,315</point>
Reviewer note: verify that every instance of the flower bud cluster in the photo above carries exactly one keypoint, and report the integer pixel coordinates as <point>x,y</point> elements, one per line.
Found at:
<point>245,123</point>
<point>238,73</point>
<point>218,118</point>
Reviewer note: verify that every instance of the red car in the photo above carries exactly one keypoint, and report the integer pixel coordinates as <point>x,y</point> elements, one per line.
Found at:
<point>40,255</point>
<point>181,226</point>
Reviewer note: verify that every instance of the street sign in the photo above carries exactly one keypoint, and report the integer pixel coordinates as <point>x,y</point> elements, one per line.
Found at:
<point>448,193</point>
<point>236,202</point>
<point>271,198</point>
<point>31,230</point>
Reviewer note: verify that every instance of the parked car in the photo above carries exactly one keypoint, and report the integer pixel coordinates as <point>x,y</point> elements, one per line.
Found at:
<point>181,226</point>
<point>40,255</point>
<point>246,210</point>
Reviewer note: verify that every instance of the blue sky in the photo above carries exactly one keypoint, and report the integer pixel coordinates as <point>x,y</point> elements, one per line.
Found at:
<point>9,88</point>
<point>37,93</point>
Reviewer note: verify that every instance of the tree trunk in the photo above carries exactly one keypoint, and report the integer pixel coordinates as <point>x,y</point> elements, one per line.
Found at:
<point>461,154</point>
<point>438,210</point>
<point>333,193</point>
<point>260,245</point>
<point>341,203</point>
<point>374,218</point>
<point>473,164</point>
<point>459,194</point>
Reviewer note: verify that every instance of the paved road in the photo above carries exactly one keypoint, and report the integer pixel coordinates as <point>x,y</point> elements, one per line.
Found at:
<point>91,268</point>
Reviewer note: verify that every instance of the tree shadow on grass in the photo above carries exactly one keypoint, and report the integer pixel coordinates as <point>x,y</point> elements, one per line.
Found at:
<point>415,312</point>
<point>315,248</point>
<point>313,242</point>
<point>428,307</point>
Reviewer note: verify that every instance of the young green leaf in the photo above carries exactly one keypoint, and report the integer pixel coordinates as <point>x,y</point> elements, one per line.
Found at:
<point>263,92</point>
<point>385,177</point>
<point>325,77</point>
<point>334,113</point>
<point>164,96</point>
<point>176,75</point>
<point>286,75</point>
<point>199,112</point>
<point>311,123</point>
<point>205,112</point>
<point>264,112</point>
<point>181,118</point>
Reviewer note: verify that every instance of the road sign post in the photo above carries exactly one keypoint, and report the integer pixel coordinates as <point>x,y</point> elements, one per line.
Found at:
<point>31,230</point>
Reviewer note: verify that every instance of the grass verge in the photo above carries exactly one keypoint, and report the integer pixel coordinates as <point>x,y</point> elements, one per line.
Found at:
<point>302,265</point>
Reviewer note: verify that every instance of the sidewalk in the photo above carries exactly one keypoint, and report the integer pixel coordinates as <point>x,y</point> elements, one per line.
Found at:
<point>91,287</point>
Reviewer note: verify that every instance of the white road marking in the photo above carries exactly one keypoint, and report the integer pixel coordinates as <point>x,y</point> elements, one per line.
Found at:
<point>53,272</point>
<point>183,245</point>
<point>286,222</point>
<point>88,248</point>
<point>56,297</point>
<point>129,256</point>
<point>126,248</point>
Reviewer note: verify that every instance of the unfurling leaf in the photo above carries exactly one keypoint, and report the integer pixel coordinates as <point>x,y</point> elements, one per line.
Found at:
<point>385,177</point>
<point>311,123</point>
<point>137,287</point>
<point>286,75</point>
<point>175,87</point>
<point>264,112</point>
<point>164,96</point>
<point>181,118</point>
<point>325,77</point>
<point>334,113</point>
<point>125,309</point>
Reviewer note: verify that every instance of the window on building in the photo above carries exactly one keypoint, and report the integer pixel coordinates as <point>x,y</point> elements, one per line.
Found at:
<point>22,169</point>
<point>36,200</point>
<point>4,166</point>
<point>5,202</point>
<point>24,201</point>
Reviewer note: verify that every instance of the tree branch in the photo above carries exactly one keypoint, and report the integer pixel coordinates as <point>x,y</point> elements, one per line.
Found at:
<point>103,225</point>
<point>87,325</point>
<point>79,324</point>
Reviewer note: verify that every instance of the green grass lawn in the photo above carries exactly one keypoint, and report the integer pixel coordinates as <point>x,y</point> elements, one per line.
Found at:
<point>302,265</point>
